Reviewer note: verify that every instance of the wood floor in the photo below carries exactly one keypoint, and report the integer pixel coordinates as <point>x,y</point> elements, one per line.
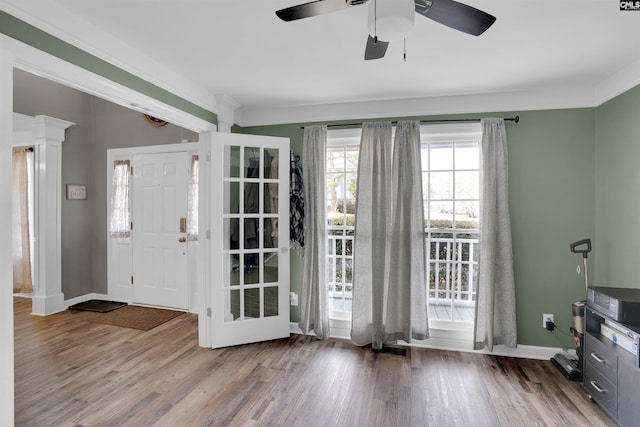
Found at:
<point>70,372</point>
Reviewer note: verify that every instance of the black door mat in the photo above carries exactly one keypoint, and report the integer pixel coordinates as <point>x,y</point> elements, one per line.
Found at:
<point>97,305</point>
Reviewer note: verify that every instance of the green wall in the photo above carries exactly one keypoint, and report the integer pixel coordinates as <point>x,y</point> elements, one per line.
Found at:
<point>617,189</point>
<point>551,170</point>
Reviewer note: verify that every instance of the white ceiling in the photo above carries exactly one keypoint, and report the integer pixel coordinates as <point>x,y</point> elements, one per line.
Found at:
<point>538,54</point>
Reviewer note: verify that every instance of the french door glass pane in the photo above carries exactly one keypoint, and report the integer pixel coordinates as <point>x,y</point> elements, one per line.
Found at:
<point>252,303</point>
<point>252,162</point>
<point>271,267</point>
<point>270,301</point>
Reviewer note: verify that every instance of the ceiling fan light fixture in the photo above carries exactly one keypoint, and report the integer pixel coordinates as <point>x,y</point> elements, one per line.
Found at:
<point>391,19</point>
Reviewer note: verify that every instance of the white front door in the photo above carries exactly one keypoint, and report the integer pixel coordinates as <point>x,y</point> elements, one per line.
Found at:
<point>159,238</point>
<point>249,238</point>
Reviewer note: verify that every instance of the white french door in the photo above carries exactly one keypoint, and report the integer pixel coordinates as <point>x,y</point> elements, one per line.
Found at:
<point>250,239</point>
<point>159,245</point>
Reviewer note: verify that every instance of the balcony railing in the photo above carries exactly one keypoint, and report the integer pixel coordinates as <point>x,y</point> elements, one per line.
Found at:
<point>451,270</point>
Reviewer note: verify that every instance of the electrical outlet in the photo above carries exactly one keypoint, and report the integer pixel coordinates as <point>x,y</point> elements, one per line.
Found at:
<point>545,319</point>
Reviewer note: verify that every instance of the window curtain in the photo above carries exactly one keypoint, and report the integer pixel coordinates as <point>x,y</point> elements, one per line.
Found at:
<point>22,281</point>
<point>389,289</point>
<point>314,307</point>
<point>120,212</point>
<point>495,303</point>
<point>192,200</point>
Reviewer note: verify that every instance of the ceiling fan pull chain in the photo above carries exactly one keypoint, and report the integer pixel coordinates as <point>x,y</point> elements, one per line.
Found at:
<point>404,54</point>
<point>375,21</point>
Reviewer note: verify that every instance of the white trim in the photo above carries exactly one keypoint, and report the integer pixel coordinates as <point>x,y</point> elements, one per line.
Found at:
<point>127,58</point>
<point>204,273</point>
<point>625,79</point>
<point>552,98</point>
<point>7,391</point>
<point>50,67</point>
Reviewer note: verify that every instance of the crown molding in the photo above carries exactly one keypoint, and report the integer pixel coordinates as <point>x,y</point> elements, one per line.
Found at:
<point>524,100</point>
<point>620,82</point>
<point>550,98</point>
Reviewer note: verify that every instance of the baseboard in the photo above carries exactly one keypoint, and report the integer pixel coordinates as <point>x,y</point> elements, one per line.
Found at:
<point>437,343</point>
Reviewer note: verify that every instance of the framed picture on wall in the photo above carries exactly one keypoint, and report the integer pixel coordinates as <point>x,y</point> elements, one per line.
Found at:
<point>76,192</point>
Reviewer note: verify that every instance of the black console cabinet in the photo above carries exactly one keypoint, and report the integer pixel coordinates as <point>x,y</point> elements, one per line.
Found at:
<point>611,373</point>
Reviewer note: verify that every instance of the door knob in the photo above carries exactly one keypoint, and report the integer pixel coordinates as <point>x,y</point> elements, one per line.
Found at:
<point>182,239</point>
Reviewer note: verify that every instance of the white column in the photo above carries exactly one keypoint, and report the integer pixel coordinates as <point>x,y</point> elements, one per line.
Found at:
<point>48,135</point>
<point>6,252</point>
<point>227,107</point>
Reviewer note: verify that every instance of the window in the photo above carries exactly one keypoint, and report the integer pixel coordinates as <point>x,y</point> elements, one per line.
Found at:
<point>120,212</point>
<point>192,200</point>
<point>451,194</point>
<point>342,169</point>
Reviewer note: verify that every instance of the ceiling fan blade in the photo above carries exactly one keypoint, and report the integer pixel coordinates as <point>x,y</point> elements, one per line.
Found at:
<point>375,48</point>
<point>456,15</point>
<point>314,8</point>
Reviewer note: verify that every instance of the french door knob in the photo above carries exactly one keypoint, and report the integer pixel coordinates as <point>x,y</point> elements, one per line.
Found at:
<point>182,239</point>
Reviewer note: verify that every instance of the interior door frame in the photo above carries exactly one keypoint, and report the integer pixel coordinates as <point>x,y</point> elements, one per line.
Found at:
<point>120,250</point>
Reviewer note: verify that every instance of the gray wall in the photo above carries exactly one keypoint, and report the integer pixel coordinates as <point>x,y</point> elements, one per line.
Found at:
<point>99,125</point>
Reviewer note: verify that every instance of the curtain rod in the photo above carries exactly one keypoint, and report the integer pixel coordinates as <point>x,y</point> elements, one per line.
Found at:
<point>515,119</point>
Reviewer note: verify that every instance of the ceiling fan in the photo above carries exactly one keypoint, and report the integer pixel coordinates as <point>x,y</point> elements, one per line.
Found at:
<point>395,17</point>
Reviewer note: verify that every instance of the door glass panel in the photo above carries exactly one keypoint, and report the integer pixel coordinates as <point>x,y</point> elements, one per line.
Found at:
<point>271,267</point>
<point>252,162</point>
<point>232,299</point>
<point>270,301</point>
<point>251,238</point>
<point>271,162</point>
<point>252,197</point>
<point>231,197</point>
<point>270,228</point>
<point>232,162</point>
<point>252,303</point>
<point>231,233</point>
<point>251,268</point>
<point>271,198</point>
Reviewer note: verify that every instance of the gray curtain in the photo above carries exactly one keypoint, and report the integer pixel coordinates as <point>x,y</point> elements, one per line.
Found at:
<point>495,303</point>
<point>389,289</point>
<point>314,309</point>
